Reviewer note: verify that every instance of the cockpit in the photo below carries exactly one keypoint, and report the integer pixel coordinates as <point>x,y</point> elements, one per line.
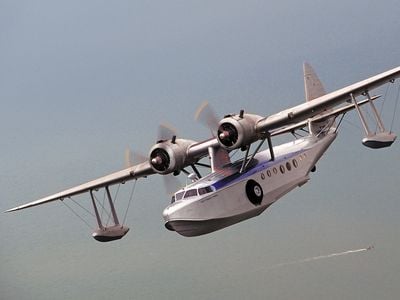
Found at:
<point>191,193</point>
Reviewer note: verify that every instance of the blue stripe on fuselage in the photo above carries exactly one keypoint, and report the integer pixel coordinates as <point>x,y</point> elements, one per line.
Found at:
<point>236,177</point>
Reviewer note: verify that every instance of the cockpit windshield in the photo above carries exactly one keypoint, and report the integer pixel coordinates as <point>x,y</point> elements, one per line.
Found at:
<point>191,193</point>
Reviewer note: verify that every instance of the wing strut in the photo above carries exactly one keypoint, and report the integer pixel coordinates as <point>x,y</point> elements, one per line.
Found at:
<point>271,148</point>
<point>247,161</point>
<point>395,108</point>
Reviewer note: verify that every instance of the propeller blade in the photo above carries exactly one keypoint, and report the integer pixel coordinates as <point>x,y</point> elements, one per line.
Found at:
<point>171,184</point>
<point>132,158</point>
<point>165,132</point>
<point>128,158</point>
<point>206,116</point>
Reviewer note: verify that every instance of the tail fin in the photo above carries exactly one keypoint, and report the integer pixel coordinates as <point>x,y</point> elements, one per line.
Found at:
<point>314,89</point>
<point>312,85</point>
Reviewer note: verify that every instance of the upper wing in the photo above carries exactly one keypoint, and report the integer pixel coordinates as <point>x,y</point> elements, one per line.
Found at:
<point>331,113</point>
<point>310,109</point>
<point>134,172</point>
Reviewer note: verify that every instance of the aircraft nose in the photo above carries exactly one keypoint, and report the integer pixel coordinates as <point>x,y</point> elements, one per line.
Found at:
<point>175,210</point>
<point>166,214</point>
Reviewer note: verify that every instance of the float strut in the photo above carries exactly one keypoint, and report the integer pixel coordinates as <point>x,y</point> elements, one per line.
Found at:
<point>114,214</point>
<point>96,212</point>
<point>376,114</point>
<point>362,119</point>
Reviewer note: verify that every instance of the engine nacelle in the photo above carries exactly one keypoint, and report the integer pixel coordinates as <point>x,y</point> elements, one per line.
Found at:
<point>236,131</point>
<point>169,156</point>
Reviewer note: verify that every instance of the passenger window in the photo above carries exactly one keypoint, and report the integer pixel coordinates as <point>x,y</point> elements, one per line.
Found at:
<point>288,166</point>
<point>282,168</point>
<point>295,164</point>
<point>205,190</point>
<point>269,173</point>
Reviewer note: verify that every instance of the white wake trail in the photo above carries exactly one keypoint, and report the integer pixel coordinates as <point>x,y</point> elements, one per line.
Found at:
<point>305,260</point>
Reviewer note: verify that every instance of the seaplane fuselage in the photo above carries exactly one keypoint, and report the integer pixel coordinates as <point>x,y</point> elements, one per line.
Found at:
<point>227,196</point>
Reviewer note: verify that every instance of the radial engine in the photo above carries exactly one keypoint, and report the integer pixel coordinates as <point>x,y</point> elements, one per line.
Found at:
<point>238,131</point>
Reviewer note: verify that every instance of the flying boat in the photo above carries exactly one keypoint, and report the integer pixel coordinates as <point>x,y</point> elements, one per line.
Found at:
<point>235,190</point>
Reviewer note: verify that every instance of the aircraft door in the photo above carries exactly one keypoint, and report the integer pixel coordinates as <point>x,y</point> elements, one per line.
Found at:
<point>254,192</point>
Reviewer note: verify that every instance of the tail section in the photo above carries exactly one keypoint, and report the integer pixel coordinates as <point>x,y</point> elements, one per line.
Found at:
<point>314,89</point>
<point>312,85</point>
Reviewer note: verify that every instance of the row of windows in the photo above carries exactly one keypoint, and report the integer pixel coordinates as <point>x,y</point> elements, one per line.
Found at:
<point>208,189</point>
<point>282,168</point>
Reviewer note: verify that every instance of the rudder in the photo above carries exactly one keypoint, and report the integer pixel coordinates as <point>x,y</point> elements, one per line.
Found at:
<point>314,89</point>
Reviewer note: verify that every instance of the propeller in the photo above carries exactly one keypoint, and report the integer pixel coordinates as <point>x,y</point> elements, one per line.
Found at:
<point>165,132</point>
<point>171,184</point>
<point>228,134</point>
<point>133,157</point>
<point>207,117</point>
<point>159,158</point>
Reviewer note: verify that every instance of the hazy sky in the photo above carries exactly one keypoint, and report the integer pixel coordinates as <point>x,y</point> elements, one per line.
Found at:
<point>82,80</point>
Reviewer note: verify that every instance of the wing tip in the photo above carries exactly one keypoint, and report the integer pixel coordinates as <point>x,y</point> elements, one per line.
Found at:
<point>19,207</point>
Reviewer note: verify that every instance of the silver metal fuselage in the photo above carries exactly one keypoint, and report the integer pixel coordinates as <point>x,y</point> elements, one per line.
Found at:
<point>227,202</point>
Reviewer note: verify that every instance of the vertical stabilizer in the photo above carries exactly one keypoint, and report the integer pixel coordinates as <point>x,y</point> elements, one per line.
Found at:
<point>219,158</point>
<point>312,85</point>
<point>314,89</point>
